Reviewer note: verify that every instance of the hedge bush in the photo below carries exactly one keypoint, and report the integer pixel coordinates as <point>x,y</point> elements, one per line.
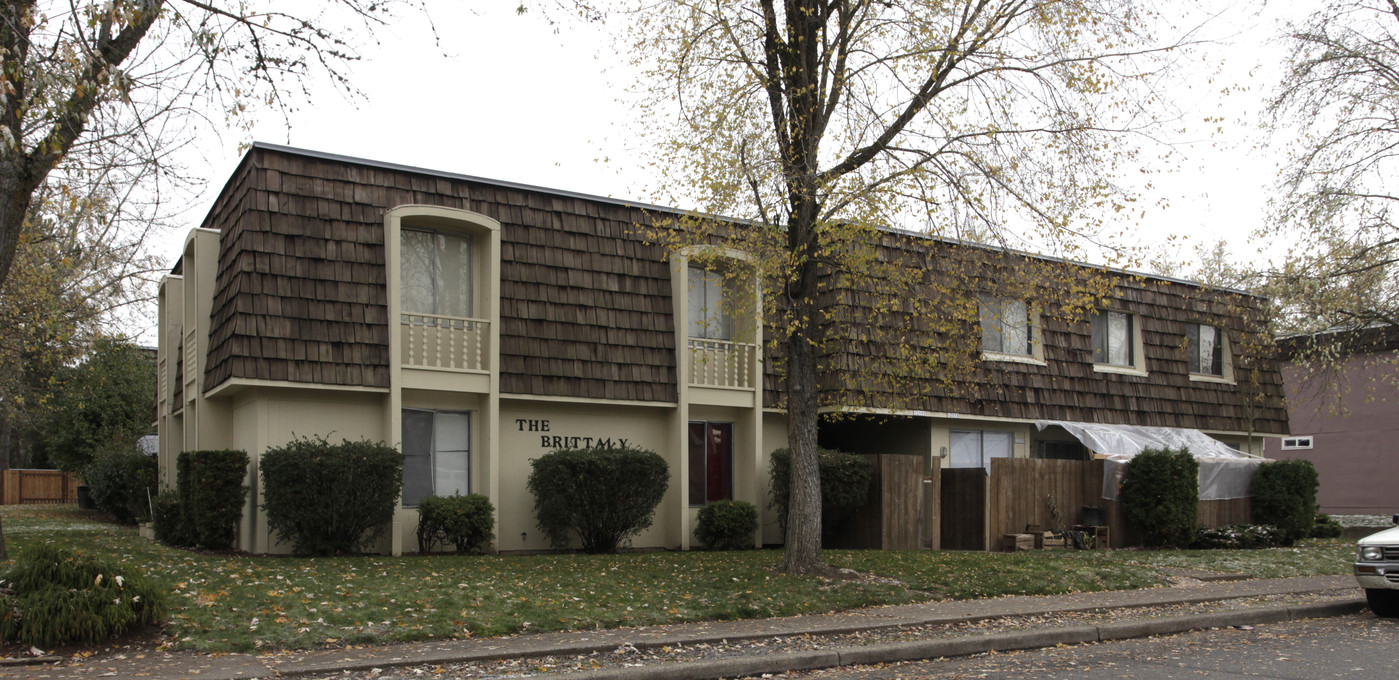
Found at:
<point>600,496</point>
<point>466,522</point>
<point>213,494</point>
<point>1326,527</point>
<point>845,485</point>
<point>1161,496</point>
<point>57,597</point>
<point>1284,495</point>
<point>118,480</point>
<point>169,522</point>
<point>727,525</point>
<point>329,499</point>
<point>1238,537</point>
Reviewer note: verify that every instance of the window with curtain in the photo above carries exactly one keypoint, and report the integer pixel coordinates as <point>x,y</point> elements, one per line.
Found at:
<point>1205,346</point>
<point>436,454</point>
<point>435,273</point>
<point>1005,326</point>
<point>1114,338</point>
<point>976,448</point>
<point>709,316</point>
<point>711,462</point>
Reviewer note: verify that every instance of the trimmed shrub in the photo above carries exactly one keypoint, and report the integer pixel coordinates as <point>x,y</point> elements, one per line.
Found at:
<point>169,520</point>
<point>57,597</point>
<point>1284,495</point>
<point>845,485</point>
<point>727,525</point>
<point>599,496</point>
<point>329,499</point>
<point>118,480</point>
<point>1161,496</point>
<point>467,522</point>
<point>1326,527</point>
<point>213,495</point>
<point>1238,537</point>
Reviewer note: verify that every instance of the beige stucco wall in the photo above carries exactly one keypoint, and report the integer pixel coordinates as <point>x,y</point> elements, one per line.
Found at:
<point>529,429</point>
<point>774,437</point>
<point>266,417</point>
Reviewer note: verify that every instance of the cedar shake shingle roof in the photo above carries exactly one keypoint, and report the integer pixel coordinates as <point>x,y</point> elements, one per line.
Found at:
<point>586,309</point>
<point>1065,386</point>
<point>585,304</point>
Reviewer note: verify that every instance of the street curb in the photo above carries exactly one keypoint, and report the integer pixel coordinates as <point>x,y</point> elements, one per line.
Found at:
<point>717,668</point>
<point>967,646</point>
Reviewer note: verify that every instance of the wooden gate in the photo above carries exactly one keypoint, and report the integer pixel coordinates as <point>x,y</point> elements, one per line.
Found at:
<point>40,486</point>
<point>963,509</point>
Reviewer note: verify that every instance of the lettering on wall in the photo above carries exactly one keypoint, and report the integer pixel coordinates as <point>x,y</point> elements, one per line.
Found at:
<point>559,441</point>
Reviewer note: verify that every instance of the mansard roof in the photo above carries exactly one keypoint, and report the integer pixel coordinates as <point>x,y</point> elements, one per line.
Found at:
<point>586,309</point>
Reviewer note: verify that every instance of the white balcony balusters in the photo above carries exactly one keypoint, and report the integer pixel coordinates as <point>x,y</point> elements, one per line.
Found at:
<point>444,342</point>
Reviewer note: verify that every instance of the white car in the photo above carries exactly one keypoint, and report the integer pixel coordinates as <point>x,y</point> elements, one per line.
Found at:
<point>1377,569</point>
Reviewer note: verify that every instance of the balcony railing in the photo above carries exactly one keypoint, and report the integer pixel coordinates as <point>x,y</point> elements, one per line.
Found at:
<point>720,363</point>
<point>444,342</point>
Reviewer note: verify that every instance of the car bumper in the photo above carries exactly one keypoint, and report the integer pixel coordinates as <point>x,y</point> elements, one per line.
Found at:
<point>1376,575</point>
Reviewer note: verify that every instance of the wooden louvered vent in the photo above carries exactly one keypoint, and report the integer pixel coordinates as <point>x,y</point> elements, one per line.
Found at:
<point>191,362</point>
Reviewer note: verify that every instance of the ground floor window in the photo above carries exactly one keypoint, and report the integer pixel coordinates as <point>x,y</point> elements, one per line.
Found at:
<point>1060,450</point>
<point>711,462</point>
<point>436,454</point>
<point>976,448</point>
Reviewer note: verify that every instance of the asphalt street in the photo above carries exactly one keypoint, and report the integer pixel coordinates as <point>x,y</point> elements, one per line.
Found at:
<point>1355,646</point>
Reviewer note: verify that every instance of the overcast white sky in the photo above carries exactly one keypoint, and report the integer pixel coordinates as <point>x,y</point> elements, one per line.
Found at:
<point>518,99</point>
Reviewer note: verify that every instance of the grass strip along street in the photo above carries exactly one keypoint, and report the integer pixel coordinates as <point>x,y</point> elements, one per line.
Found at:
<point>234,602</point>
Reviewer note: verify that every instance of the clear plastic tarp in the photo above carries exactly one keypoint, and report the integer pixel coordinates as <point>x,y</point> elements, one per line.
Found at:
<point>1224,472</point>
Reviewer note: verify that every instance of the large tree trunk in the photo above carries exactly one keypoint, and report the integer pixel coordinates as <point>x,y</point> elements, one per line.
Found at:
<point>802,554</point>
<point>16,192</point>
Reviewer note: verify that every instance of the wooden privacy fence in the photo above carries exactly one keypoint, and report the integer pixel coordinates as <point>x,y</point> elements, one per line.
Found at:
<point>893,517</point>
<point>1020,489</point>
<point>40,486</point>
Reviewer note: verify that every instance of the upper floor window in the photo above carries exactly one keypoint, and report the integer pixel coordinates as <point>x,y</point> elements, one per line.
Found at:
<point>1205,347</point>
<point>1006,327</point>
<point>711,315</point>
<point>1115,339</point>
<point>435,276</point>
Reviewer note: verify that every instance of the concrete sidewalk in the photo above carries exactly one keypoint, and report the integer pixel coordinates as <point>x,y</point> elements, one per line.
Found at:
<point>235,666</point>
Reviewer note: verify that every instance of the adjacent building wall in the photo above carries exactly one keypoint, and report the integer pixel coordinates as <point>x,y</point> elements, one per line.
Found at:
<point>1350,416</point>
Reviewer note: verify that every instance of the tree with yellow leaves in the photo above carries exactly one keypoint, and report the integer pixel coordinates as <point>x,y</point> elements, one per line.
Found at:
<point>824,122</point>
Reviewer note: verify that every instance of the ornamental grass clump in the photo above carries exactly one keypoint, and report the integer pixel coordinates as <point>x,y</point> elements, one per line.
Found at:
<point>1161,496</point>
<point>330,499</point>
<point>600,496</point>
<point>52,596</point>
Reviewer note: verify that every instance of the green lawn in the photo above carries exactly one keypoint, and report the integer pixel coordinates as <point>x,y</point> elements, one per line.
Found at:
<point>238,603</point>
